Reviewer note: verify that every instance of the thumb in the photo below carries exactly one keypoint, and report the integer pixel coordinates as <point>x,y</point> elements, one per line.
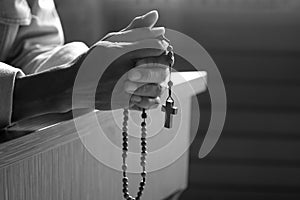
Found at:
<point>147,20</point>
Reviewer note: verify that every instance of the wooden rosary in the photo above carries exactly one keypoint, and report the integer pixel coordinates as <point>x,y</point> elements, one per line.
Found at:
<point>169,110</point>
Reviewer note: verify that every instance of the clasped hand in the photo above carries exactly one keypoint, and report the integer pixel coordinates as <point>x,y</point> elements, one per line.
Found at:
<point>136,79</point>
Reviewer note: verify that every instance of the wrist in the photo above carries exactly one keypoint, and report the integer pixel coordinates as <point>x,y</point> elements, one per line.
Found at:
<point>42,93</point>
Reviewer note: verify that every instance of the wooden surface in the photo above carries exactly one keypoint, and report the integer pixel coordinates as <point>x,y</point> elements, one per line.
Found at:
<point>57,162</point>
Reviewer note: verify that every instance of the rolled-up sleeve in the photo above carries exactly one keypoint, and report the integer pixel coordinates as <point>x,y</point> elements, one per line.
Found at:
<point>8,75</point>
<point>31,41</point>
<point>40,45</point>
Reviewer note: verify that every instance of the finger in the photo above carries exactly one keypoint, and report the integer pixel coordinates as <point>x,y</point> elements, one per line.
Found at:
<point>164,60</point>
<point>136,34</point>
<point>135,107</point>
<point>149,75</point>
<point>135,99</point>
<point>147,20</point>
<point>147,48</point>
<point>147,103</point>
<point>140,89</point>
<point>151,70</point>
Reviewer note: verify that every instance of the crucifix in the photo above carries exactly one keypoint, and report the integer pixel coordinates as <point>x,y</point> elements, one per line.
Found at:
<point>169,110</point>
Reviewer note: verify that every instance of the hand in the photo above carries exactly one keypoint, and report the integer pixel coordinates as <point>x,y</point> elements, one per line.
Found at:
<point>145,90</point>
<point>111,93</point>
<point>146,21</point>
<point>51,90</point>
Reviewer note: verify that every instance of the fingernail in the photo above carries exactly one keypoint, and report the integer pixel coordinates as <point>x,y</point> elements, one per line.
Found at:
<point>130,87</point>
<point>165,44</point>
<point>136,98</point>
<point>135,76</point>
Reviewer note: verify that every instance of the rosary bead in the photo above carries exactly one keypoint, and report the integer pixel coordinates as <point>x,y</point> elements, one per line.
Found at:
<point>138,197</point>
<point>143,129</point>
<point>144,143</point>
<point>125,148</point>
<point>143,158</point>
<point>126,195</point>
<point>170,53</point>
<point>142,184</point>
<point>125,112</point>
<point>139,193</point>
<point>125,139</point>
<point>144,148</point>
<point>125,118</point>
<point>124,129</point>
<point>124,133</point>
<point>144,153</point>
<point>125,144</point>
<point>170,84</point>
<point>125,123</point>
<point>125,180</point>
<point>124,155</point>
<point>143,139</point>
<point>144,135</point>
<point>141,188</point>
<point>143,163</point>
<point>124,167</point>
<point>144,174</point>
<point>144,115</point>
<point>125,190</point>
<point>143,124</point>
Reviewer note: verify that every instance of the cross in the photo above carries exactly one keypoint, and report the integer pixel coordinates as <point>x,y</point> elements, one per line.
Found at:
<point>170,110</point>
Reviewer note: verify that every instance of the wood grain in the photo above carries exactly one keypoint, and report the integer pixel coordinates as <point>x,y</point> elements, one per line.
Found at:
<point>71,172</point>
<point>56,163</point>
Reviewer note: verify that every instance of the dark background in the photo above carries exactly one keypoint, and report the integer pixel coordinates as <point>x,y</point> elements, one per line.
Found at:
<point>256,46</point>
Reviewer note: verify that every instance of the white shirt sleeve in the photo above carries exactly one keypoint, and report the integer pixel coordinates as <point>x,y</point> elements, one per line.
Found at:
<point>31,41</point>
<point>8,75</point>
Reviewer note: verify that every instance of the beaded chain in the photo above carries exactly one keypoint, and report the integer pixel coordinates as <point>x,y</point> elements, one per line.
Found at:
<point>143,156</point>
<point>168,108</point>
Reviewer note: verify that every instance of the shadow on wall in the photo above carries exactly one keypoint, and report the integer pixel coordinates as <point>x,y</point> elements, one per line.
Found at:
<point>216,24</point>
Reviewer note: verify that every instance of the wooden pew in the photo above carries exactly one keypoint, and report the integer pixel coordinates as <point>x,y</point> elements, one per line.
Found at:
<point>56,157</point>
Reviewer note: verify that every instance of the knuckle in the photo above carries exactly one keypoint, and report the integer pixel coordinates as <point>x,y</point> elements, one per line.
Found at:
<point>142,89</point>
<point>161,75</point>
<point>147,75</point>
<point>159,90</point>
<point>153,90</point>
<point>126,86</point>
<point>129,87</point>
<point>154,106</point>
<point>158,44</point>
<point>137,18</point>
<point>161,44</point>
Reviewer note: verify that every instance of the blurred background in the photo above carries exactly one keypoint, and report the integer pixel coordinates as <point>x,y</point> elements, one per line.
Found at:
<point>256,46</point>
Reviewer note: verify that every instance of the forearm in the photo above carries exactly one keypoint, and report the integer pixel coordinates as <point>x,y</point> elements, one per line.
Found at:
<point>42,93</point>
